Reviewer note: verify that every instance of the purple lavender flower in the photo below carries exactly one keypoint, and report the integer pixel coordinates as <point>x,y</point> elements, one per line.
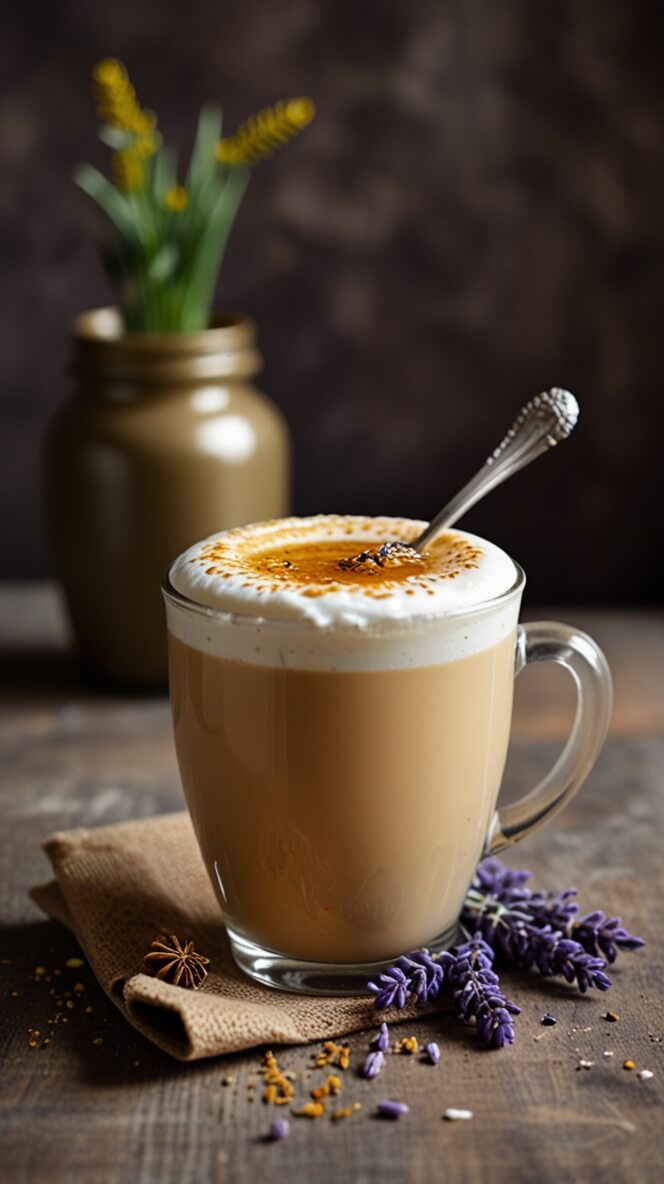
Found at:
<point>382,1040</point>
<point>554,954</point>
<point>597,933</point>
<point>426,974</point>
<point>527,928</point>
<point>468,969</point>
<point>280,1128</point>
<point>494,876</point>
<point>392,1109</point>
<point>433,1052</point>
<point>373,1064</point>
<point>394,989</point>
<point>417,976</point>
<point>531,928</point>
<point>477,993</point>
<point>546,949</point>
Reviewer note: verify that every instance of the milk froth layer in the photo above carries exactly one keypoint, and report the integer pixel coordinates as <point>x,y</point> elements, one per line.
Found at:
<point>281,598</point>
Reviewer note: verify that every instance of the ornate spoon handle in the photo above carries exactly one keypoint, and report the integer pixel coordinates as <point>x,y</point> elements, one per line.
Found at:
<point>542,423</point>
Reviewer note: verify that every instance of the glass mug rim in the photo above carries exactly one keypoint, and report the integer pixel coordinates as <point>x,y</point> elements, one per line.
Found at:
<point>388,626</point>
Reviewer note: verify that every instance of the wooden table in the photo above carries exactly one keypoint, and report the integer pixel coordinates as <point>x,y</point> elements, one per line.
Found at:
<point>121,1111</point>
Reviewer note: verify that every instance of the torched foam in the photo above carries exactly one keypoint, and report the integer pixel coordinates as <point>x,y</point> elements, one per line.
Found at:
<point>289,580</point>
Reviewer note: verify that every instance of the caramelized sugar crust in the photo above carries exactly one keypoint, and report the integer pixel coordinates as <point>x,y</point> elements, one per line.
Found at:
<point>289,557</point>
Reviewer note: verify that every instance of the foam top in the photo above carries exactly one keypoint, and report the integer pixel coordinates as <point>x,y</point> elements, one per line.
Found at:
<point>296,571</point>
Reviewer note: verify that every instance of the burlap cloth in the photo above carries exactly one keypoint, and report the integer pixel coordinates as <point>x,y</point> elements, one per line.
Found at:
<point>121,886</point>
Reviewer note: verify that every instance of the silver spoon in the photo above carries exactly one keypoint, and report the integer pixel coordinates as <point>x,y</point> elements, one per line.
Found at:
<point>546,420</point>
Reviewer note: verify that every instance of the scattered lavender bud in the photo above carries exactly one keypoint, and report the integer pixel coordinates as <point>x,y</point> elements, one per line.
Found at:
<point>373,1064</point>
<point>549,1019</point>
<point>280,1128</point>
<point>645,1074</point>
<point>382,1040</point>
<point>392,1109</point>
<point>457,1115</point>
<point>433,1052</point>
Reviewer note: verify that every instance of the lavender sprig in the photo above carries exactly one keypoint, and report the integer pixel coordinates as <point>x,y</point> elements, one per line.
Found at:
<point>527,928</point>
<point>543,930</point>
<point>546,949</point>
<point>554,954</point>
<point>477,993</point>
<point>417,976</point>
<point>468,970</point>
<point>598,933</point>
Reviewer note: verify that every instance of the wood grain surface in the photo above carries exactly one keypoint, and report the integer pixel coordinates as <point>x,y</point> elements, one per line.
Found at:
<point>100,1104</point>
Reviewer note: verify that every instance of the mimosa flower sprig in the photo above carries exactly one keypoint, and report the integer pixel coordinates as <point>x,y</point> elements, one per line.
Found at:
<point>162,241</point>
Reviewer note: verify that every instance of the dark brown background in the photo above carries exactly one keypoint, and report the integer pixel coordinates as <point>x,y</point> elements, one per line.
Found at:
<point>475,214</point>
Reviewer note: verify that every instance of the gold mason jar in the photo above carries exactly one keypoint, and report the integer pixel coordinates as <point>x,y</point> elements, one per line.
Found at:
<point>165,440</point>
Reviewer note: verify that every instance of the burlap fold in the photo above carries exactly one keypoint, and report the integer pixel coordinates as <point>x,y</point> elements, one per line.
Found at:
<point>121,886</point>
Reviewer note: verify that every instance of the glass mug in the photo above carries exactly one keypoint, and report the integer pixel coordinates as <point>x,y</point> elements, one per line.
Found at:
<point>341,812</point>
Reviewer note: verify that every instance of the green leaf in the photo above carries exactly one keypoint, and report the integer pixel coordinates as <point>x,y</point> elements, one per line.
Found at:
<point>108,198</point>
<point>206,258</point>
<point>163,265</point>
<point>164,172</point>
<point>203,163</point>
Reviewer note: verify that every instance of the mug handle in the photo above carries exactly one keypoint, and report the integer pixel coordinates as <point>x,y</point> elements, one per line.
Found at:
<point>550,641</point>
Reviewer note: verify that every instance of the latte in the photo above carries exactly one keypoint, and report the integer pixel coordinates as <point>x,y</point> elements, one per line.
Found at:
<point>341,727</point>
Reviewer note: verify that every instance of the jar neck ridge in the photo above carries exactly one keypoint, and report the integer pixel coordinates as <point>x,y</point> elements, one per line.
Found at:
<point>104,352</point>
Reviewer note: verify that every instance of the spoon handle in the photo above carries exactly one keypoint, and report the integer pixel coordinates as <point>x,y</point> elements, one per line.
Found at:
<point>541,424</point>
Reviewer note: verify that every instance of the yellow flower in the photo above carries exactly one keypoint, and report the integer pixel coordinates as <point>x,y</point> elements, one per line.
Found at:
<point>108,71</point>
<point>228,152</point>
<point>145,146</point>
<point>176,199</point>
<point>127,171</point>
<point>116,101</point>
<point>263,133</point>
<point>145,122</point>
<point>300,111</point>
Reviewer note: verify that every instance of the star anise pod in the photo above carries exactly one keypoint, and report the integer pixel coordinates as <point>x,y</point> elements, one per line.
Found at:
<point>174,962</point>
